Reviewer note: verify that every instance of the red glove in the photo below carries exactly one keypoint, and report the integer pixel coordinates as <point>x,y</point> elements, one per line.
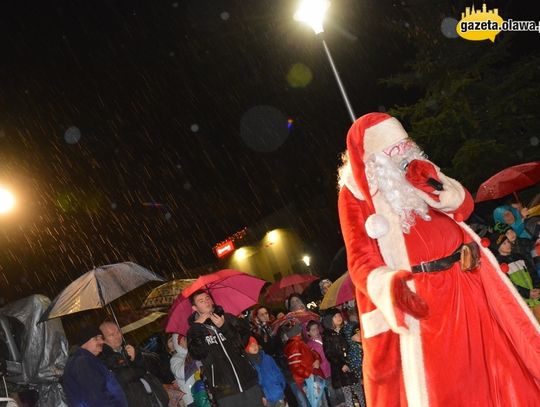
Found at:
<point>405,299</point>
<point>418,172</point>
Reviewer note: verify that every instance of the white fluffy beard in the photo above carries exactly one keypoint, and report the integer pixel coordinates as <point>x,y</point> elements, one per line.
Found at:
<point>384,173</point>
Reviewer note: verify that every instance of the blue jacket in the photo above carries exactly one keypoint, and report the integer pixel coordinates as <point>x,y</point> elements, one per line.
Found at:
<point>271,379</point>
<point>88,383</point>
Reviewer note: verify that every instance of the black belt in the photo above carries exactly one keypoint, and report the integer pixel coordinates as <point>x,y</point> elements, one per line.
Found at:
<point>438,265</point>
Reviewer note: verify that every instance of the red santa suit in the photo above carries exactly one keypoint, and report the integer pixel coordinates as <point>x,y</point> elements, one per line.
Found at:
<point>479,344</point>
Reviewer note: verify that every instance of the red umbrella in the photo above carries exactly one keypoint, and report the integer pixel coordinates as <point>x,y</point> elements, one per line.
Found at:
<point>294,283</point>
<point>508,181</point>
<point>233,290</point>
<point>341,291</point>
<point>302,316</point>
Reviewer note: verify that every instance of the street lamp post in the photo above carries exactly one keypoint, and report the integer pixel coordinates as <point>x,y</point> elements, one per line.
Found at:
<point>312,12</point>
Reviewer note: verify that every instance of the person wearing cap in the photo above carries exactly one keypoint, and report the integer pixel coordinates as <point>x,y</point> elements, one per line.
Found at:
<point>441,324</point>
<point>86,380</point>
<point>324,285</point>
<point>271,379</point>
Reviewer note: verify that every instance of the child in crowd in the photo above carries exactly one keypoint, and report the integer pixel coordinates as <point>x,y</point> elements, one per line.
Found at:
<point>518,269</point>
<point>315,343</point>
<point>303,362</point>
<point>187,373</point>
<point>355,354</point>
<point>336,350</point>
<point>271,379</point>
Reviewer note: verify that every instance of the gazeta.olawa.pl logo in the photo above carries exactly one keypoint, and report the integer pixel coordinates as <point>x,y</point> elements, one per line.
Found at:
<point>479,25</point>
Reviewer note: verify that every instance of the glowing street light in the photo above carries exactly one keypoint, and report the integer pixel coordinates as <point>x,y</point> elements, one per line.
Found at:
<point>241,253</point>
<point>312,12</point>
<point>7,201</point>
<point>272,236</point>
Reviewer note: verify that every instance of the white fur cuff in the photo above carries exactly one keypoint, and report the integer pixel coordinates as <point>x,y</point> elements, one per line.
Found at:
<point>379,288</point>
<point>373,323</point>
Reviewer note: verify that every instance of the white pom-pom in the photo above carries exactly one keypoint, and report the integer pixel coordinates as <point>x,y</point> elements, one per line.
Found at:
<point>377,226</point>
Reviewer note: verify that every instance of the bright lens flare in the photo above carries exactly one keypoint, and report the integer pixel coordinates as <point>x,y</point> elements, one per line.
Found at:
<point>311,12</point>
<point>7,201</point>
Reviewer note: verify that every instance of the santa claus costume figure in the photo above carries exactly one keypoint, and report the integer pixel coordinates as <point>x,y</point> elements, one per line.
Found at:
<point>435,333</point>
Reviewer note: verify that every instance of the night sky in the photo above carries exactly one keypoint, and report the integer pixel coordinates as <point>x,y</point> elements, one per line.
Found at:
<point>151,130</point>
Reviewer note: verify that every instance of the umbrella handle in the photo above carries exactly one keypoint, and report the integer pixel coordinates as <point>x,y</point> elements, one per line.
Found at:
<point>517,198</point>
<point>117,324</point>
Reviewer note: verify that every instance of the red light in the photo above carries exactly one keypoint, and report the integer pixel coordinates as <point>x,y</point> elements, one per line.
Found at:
<point>224,248</point>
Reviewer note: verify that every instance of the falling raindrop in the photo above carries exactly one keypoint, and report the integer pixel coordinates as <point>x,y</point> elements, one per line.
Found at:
<point>534,141</point>
<point>225,16</point>
<point>172,54</point>
<point>264,128</point>
<point>194,127</point>
<point>448,27</point>
<point>381,108</point>
<point>187,185</point>
<point>72,135</point>
<point>113,205</point>
<point>175,4</point>
<point>168,216</point>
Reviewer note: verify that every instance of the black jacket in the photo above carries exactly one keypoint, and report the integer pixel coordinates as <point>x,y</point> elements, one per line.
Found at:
<point>221,350</point>
<point>335,349</point>
<point>128,373</point>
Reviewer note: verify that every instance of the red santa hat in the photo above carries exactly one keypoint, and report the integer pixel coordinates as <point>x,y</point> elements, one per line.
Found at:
<point>371,133</point>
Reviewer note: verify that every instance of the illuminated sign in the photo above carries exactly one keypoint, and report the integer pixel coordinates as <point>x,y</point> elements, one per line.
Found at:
<point>223,249</point>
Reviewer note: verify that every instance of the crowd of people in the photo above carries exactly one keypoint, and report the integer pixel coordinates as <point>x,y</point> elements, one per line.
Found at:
<point>226,360</point>
<point>434,306</point>
<point>308,360</point>
<point>515,242</point>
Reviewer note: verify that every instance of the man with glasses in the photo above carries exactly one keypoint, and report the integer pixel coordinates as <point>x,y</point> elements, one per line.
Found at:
<point>441,325</point>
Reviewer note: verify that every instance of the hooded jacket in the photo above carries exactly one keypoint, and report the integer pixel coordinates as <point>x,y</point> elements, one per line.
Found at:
<point>301,358</point>
<point>271,379</point>
<point>88,383</point>
<point>336,349</point>
<point>184,372</point>
<point>221,350</point>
